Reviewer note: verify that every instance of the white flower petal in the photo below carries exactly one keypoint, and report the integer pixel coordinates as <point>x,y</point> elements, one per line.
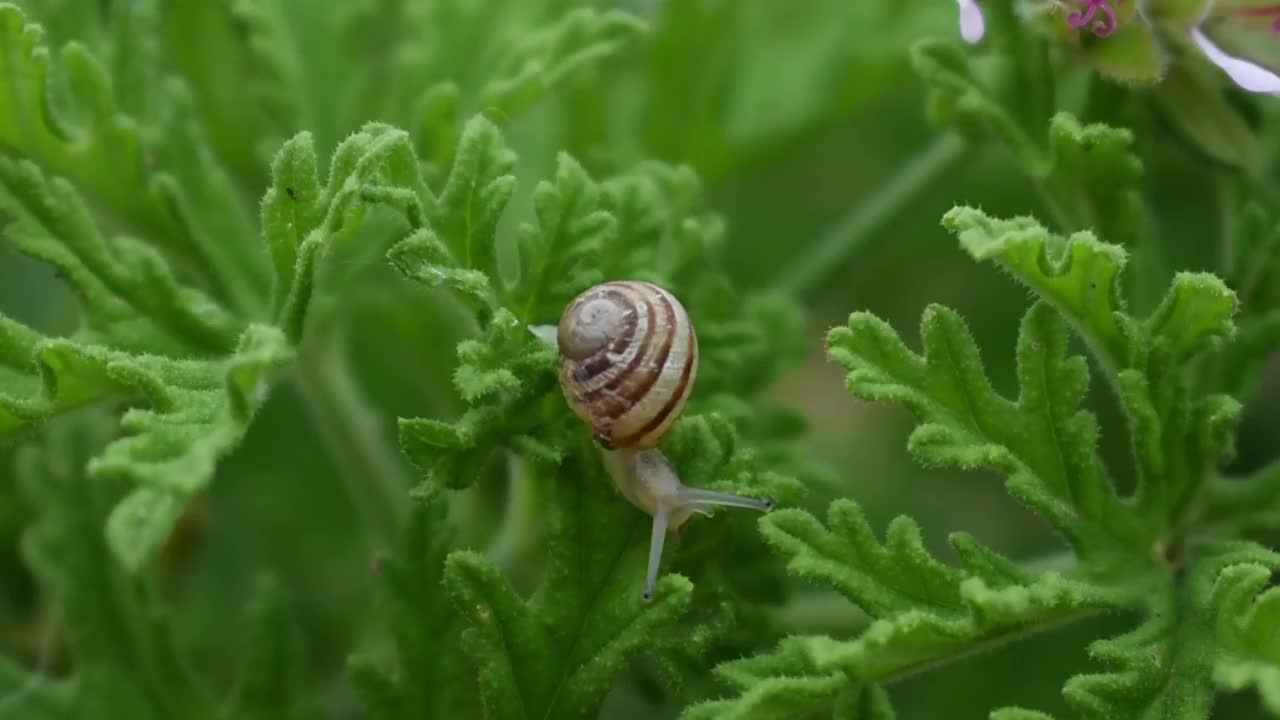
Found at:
<point>972,25</point>
<point>1250,76</point>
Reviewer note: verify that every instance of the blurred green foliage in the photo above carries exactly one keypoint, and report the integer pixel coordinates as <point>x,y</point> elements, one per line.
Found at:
<point>245,237</point>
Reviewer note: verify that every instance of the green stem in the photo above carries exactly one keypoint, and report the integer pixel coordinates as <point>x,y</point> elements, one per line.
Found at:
<point>372,470</point>
<point>856,229</point>
<point>520,524</point>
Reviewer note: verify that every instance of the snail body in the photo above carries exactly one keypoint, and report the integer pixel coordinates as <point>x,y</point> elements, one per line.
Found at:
<point>628,360</point>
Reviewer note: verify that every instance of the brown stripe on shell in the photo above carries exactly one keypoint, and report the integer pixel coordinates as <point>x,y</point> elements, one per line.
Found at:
<point>677,399</point>
<point>623,390</point>
<point>598,407</point>
<point>605,356</point>
<point>641,374</point>
<point>590,368</point>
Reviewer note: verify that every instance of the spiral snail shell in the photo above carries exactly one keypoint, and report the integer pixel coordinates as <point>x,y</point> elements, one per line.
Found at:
<point>628,360</point>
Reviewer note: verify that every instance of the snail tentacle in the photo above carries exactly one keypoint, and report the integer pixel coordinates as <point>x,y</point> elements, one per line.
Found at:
<point>699,498</point>
<point>656,540</point>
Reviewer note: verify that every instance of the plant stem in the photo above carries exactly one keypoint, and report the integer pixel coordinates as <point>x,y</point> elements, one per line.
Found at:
<point>857,228</point>
<point>520,524</point>
<point>372,470</point>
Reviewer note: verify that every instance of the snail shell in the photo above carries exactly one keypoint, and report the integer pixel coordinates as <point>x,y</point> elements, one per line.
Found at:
<point>628,360</point>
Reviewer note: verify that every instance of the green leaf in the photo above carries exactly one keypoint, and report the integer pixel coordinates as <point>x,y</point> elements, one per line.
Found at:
<point>559,254</point>
<point>506,378</point>
<point>1088,173</point>
<point>1176,437</point>
<point>1094,179</point>
<point>557,654</point>
<point>924,612</point>
<point>430,676</point>
<point>276,661</point>
<point>121,158</point>
<point>131,299</point>
<point>1168,666</point>
<point>1246,606</point>
<point>960,95</point>
<point>125,657</point>
<point>1078,275</point>
<point>545,58</point>
<point>1043,441</point>
<point>465,214</point>
<point>146,335</point>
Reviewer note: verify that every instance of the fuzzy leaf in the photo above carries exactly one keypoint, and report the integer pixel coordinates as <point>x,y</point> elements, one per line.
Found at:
<point>145,335</point>
<point>557,256</point>
<point>557,654</point>
<point>465,214</point>
<point>923,611</point>
<point>125,658</point>
<point>276,661</point>
<point>100,143</point>
<point>1176,437</point>
<point>1089,172</point>
<point>130,297</point>
<point>507,377</point>
<point>1246,608</point>
<point>1043,441</point>
<point>544,58</point>
<point>430,676</point>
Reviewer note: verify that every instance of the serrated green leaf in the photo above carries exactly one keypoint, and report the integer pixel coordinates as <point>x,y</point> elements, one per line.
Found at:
<point>465,214</point>
<point>557,256</point>
<point>126,663</point>
<point>423,257</point>
<point>925,611</point>
<point>1044,442</point>
<point>1197,311</point>
<point>1094,178</point>
<point>99,141</point>
<point>276,661</point>
<point>430,676</point>
<point>546,57</point>
<point>1078,275</point>
<point>130,297</point>
<point>557,654</point>
<point>1247,613</point>
<point>200,411</point>
<point>506,379</point>
<point>961,97</point>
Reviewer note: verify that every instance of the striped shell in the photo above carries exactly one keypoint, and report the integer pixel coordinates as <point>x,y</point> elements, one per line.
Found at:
<point>628,359</point>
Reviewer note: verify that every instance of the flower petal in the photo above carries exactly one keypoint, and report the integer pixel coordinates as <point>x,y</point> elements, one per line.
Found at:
<point>972,25</point>
<point>1250,76</point>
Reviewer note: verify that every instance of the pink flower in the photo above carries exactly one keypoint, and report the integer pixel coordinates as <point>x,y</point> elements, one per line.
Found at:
<point>972,25</point>
<point>1101,26</point>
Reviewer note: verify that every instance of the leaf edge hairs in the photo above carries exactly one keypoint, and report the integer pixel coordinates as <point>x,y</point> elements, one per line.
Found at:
<point>628,359</point>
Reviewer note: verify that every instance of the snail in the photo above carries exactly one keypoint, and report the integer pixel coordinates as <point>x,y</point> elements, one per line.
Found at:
<point>628,360</point>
